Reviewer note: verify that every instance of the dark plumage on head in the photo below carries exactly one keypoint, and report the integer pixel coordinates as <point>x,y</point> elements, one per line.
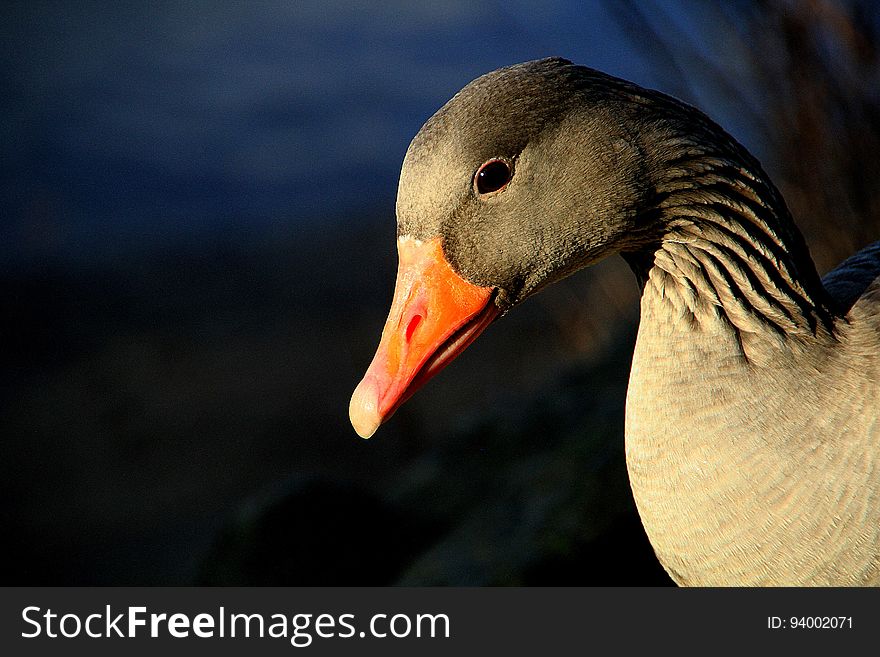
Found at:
<point>574,141</point>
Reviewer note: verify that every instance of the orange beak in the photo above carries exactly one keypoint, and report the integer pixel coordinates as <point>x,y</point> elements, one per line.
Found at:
<point>435,315</point>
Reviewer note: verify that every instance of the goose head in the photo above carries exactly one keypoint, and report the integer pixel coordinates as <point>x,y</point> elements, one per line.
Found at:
<point>526,175</point>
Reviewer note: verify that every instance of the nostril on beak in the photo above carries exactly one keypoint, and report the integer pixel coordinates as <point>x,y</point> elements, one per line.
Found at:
<point>412,326</point>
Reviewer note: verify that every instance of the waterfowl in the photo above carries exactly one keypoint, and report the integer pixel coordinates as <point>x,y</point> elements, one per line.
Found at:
<point>753,407</point>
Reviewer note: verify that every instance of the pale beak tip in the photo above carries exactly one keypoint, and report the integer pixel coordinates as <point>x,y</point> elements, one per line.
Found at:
<point>363,411</point>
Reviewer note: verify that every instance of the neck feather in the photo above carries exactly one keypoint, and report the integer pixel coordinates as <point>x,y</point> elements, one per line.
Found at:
<point>729,252</point>
<point>734,395</point>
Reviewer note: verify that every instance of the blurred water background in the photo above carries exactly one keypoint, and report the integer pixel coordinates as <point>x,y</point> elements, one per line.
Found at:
<point>197,225</point>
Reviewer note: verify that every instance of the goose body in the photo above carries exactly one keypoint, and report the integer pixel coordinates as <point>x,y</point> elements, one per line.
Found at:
<point>753,408</point>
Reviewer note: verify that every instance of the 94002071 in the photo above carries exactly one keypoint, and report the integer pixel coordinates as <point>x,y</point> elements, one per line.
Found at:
<point>809,623</point>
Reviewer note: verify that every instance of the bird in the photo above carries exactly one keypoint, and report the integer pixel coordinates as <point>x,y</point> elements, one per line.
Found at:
<point>752,436</point>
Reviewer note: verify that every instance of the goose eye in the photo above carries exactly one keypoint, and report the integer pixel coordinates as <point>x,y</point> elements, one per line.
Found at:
<point>492,176</point>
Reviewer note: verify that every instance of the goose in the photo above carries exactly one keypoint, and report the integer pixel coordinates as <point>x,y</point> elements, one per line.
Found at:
<point>752,436</point>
